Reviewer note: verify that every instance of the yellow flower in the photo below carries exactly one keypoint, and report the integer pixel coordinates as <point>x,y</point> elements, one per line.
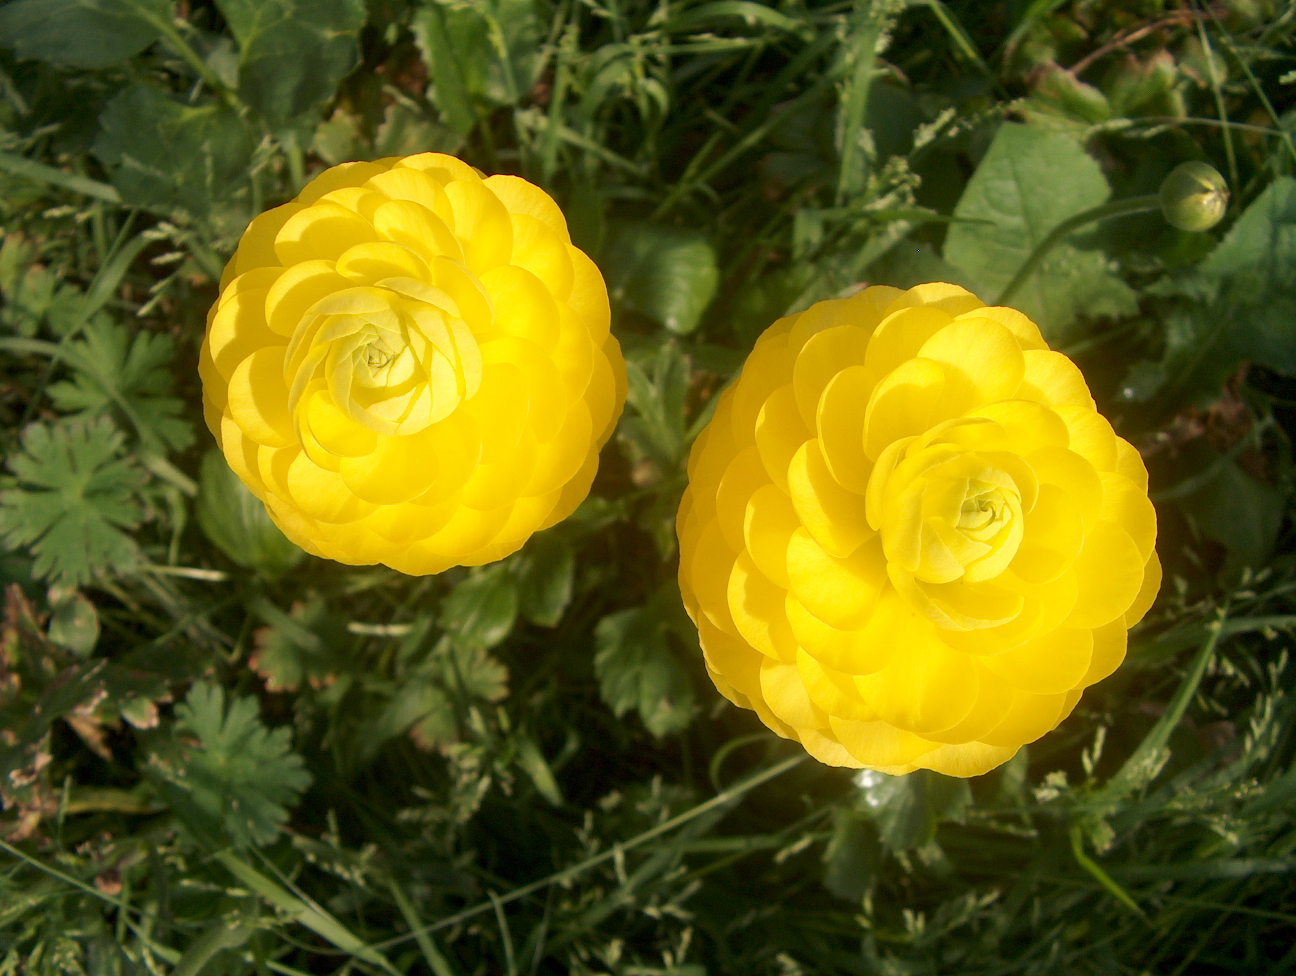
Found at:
<point>909,540</point>
<point>410,364</point>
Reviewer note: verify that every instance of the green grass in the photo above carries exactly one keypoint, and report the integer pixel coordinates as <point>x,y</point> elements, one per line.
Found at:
<point>221,757</point>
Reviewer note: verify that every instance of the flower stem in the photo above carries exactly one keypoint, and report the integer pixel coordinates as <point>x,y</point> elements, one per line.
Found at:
<point>1118,208</point>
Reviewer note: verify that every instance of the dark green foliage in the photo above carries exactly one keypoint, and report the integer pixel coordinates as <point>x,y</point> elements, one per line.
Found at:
<point>224,772</point>
<point>73,497</point>
<point>220,756</point>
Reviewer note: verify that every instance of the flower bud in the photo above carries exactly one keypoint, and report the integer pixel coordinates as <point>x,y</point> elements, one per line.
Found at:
<point>1194,196</point>
<point>410,364</point>
<point>909,540</point>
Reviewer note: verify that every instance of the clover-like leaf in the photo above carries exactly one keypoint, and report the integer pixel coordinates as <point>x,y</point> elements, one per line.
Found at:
<point>74,496</point>
<point>128,377</point>
<point>224,773</point>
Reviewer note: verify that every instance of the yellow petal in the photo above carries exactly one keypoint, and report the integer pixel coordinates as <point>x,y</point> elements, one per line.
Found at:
<point>1047,665</point>
<point>481,223</point>
<point>779,432</point>
<point>1028,717</point>
<point>900,335</point>
<point>258,399</point>
<point>1110,572</point>
<point>257,246</point>
<point>744,474</point>
<point>417,228</point>
<point>1054,380</point>
<point>840,426</point>
<point>237,330</point>
<point>783,692</point>
<point>398,469</point>
<point>824,355</point>
<point>937,294</point>
<point>970,759</point>
<point>523,306</point>
<point>1125,504</point>
<point>983,362</point>
<point>539,250</point>
<point>840,592</point>
<point>926,688</point>
<point>322,494</point>
<point>1025,331</point>
<point>1130,464</point>
<point>521,197</point>
<point>321,232</point>
<point>833,692</point>
<point>1091,436</point>
<point>296,290</point>
<point>769,524</point>
<point>863,651</point>
<point>406,184</point>
<point>1053,537</point>
<point>1147,593</point>
<point>832,514</point>
<point>756,606</point>
<point>910,400</point>
<point>878,744</point>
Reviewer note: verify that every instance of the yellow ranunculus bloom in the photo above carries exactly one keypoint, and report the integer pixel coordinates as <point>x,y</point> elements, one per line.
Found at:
<point>909,540</point>
<point>411,364</point>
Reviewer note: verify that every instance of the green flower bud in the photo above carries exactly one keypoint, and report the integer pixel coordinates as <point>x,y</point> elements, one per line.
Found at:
<point>1194,196</point>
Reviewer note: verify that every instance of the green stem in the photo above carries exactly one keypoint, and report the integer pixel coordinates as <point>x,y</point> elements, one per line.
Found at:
<point>1118,208</point>
<point>720,799</point>
<point>166,27</point>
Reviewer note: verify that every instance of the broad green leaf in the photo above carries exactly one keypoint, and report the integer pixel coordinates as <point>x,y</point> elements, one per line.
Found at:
<point>164,156</point>
<point>75,494</point>
<point>851,858</point>
<point>545,571</point>
<point>1029,182</point>
<point>132,379</point>
<point>81,33</point>
<point>1254,268</point>
<point>482,608</point>
<point>637,669</point>
<point>1240,513</point>
<point>74,622</point>
<point>224,773</point>
<point>668,274</point>
<point>293,53</point>
<point>236,521</point>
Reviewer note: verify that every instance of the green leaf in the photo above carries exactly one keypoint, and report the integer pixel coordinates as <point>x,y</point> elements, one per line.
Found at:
<point>637,669</point>
<point>236,521</point>
<point>851,859</point>
<point>1254,269</point>
<point>467,671</point>
<point>668,274</point>
<point>295,646</point>
<point>224,772</point>
<point>132,378</point>
<point>1029,182</point>
<point>480,55</point>
<point>545,570</point>
<point>80,33</point>
<point>482,608</point>
<point>658,387</point>
<point>907,808</point>
<point>1240,513</point>
<point>293,53</point>
<point>74,622</point>
<point>164,156</point>
<point>74,496</point>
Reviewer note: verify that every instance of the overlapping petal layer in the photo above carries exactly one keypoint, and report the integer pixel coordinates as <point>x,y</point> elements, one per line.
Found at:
<point>410,364</point>
<point>909,540</point>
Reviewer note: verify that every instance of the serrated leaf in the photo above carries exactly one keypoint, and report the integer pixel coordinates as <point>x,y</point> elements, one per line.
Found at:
<point>637,669</point>
<point>224,772</point>
<point>74,496</point>
<point>467,671</point>
<point>131,378</point>
<point>666,273</point>
<point>481,609</point>
<point>1028,183</point>
<point>293,647</point>
<point>293,53</point>
<point>236,521</point>
<point>908,808</point>
<point>657,388</point>
<point>165,156</point>
<point>545,571</point>
<point>81,33</point>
